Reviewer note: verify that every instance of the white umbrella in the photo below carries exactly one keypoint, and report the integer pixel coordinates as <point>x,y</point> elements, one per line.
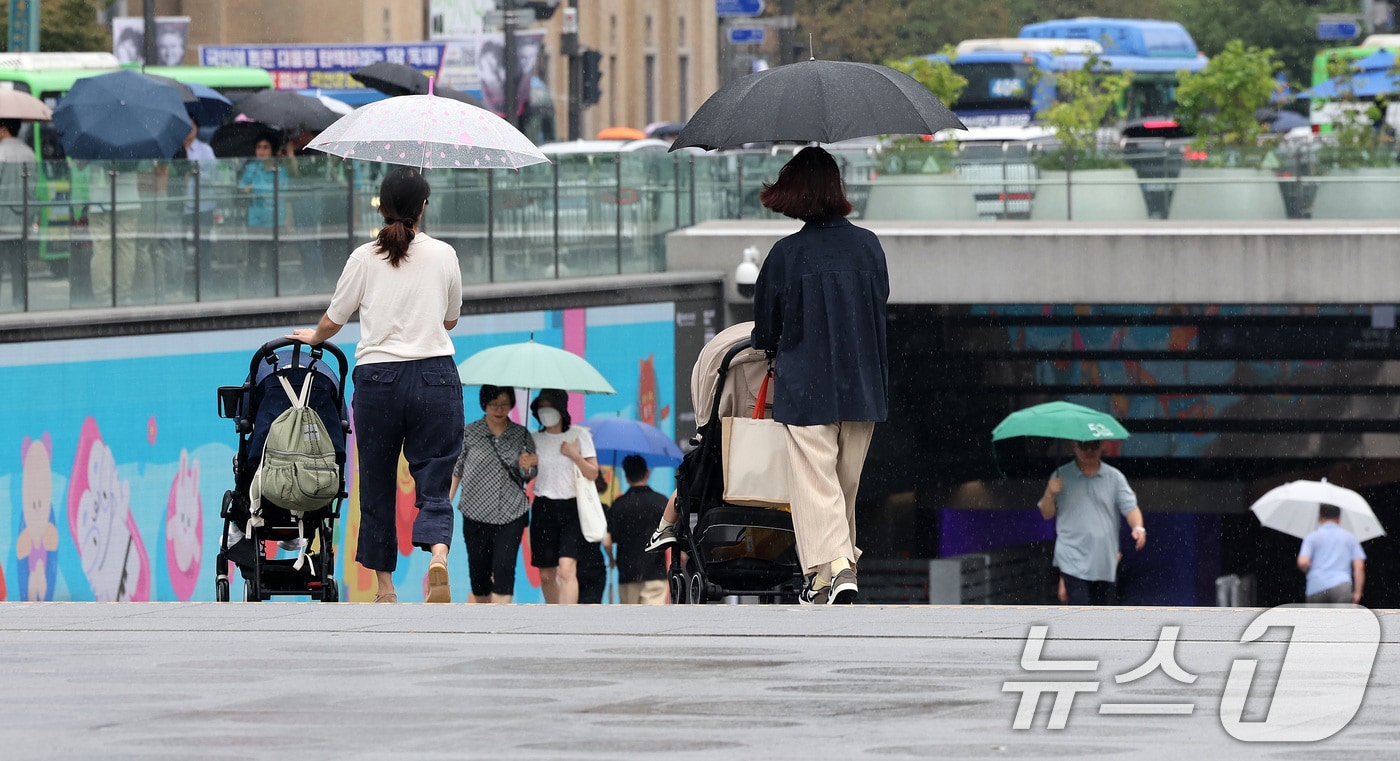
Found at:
<point>429,132</point>
<point>1292,509</point>
<point>338,106</point>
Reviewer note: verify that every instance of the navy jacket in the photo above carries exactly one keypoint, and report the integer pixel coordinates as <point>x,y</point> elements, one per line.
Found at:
<point>820,303</point>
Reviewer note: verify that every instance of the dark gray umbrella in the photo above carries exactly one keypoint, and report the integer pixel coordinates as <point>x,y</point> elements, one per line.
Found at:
<point>290,111</point>
<point>816,102</point>
<point>401,79</point>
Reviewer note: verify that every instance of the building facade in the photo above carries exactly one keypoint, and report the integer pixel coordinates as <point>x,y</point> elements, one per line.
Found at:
<point>266,22</point>
<point>659,57</point>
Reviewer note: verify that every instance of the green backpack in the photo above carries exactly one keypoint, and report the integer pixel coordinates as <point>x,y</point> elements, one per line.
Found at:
<point>298,471</point>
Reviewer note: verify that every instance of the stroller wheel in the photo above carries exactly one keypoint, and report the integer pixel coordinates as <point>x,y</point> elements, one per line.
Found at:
<point>250,594</point>
<point>330,592</point>
<point>678,587</point>
<point>221,590</point>
<point>696,595</point>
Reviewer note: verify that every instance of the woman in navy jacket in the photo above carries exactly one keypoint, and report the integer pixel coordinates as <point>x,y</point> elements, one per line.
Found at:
<point>819,307</point>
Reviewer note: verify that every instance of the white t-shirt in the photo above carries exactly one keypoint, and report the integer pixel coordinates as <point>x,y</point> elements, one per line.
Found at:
<point>555,477</point>
<point>402,309</point>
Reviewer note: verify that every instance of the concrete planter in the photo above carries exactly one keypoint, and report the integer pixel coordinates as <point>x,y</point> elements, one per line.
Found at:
<point>1227,193</point>
<point>1363,193</point>
<point>1092,195</point>
<point>920,197</point>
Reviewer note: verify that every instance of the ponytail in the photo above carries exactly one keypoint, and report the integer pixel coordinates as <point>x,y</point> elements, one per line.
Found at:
<point>401,198</point>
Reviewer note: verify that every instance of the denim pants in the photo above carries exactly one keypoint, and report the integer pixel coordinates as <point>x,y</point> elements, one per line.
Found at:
<point>414,407</point>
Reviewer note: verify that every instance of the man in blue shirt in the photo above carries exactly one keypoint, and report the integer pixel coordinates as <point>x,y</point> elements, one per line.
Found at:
<point>1333,560</point>
<point>1085,498</point>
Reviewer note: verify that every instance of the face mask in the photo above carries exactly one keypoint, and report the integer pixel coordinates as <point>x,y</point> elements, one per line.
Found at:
<point>549,417</point>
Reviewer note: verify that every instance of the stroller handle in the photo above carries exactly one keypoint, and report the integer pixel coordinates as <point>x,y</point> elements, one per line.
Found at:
<point>268,353</point>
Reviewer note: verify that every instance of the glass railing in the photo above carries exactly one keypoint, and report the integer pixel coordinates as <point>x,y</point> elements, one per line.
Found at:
<point>78,235</point>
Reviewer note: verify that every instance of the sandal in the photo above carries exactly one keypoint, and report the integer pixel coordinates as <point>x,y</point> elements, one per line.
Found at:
<point>386,597</point>
<point>438,588</point>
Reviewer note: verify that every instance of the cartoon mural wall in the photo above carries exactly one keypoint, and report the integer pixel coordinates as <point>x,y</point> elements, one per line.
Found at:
<point>113,467</point>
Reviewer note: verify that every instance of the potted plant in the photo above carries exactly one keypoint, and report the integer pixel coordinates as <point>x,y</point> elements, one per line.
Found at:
<point>1077,179</point>
<point>916,180</point>
<point>1228,174</point>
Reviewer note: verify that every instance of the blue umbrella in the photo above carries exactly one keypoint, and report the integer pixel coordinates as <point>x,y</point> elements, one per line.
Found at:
<point>211,109</point>
<point>1364,85</point>
<point>616,437</point>
<point>124,115</point>
<point>1378,61</point>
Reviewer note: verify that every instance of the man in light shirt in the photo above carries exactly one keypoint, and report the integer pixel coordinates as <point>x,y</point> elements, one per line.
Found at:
<point>1333,560</point>
<point>1085,498</point>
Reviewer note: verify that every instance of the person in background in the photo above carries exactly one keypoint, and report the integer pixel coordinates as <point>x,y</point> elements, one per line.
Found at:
<point>15,158</point>
<point>498,458</point>
<point>819,310</point>
<point>117,248</point>
<point>407,288</point>
<point>641,576</point>
<point>197,150</point>
<point>1333,560</point>
<point>556,537</point>
<point>263,180</point>
<point>312,174</point>
<point>1085,498</point>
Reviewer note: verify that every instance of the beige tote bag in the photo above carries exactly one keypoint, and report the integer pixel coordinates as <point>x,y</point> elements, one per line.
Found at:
<point>755,457</point>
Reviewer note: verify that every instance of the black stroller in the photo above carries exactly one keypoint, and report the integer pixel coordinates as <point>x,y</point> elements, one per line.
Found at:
<point>732,550</point>
<point>253,406</point>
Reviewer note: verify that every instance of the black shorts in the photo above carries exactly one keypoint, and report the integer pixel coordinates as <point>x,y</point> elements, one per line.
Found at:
<point>491,553</point>
<point>555,532</point>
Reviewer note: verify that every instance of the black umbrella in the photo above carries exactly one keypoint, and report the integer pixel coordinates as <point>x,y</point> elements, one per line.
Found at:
<point>290,111</point>
<point>240,139</point>
<point>816,102</point>
<point>401,79</point>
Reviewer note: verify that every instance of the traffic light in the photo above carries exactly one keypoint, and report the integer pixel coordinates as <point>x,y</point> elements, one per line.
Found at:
<point>592,76</point>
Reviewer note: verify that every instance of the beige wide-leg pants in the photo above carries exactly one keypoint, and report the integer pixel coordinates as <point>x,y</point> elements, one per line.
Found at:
<point>826,461</point>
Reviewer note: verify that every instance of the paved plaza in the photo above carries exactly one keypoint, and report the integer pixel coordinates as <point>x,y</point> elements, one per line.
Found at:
<point>215,681</point>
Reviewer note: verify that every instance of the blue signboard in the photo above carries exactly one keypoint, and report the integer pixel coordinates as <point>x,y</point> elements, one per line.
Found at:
<point>730,8</point>
<point>326,67</point>
<point>746,35</point>
<point>24,26</point>
<point>1338,30</point>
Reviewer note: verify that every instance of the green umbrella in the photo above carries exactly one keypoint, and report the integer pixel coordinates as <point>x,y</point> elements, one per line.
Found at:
<point>1060,420</point>
<point>532,365</point>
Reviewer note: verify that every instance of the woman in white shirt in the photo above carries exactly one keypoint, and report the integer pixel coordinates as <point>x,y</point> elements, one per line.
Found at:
<point>408,396</point>
<point>556,537</point>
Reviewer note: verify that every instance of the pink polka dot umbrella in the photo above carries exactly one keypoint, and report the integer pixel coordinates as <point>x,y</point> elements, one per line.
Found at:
<point>428,132</point>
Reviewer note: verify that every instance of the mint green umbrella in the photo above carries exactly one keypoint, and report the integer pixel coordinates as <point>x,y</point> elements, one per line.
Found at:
<point>531,365</point>
<point>1060,420</point>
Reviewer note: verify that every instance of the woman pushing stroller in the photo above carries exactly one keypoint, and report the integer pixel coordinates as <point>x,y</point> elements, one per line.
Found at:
<point>407,287</point>
<point>819,308</point>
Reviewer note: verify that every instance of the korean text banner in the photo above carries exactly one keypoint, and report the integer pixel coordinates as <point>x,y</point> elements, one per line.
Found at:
<point>300,67</point>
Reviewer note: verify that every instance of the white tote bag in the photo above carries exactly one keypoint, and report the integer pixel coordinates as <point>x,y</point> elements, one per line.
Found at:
<point>590,507</point>
<point>755,457</point>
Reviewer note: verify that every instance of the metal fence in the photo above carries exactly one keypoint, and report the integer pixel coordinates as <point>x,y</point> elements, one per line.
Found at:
<point>75,235</point>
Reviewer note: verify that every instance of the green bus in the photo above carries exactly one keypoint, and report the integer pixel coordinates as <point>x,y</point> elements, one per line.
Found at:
<point>48,77</point>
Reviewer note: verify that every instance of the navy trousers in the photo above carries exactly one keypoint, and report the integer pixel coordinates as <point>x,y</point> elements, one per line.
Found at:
<point>1084,592</point>
<point>414,407</point>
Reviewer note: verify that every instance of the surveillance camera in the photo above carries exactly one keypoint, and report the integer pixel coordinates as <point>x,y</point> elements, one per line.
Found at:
<point>746,274</point>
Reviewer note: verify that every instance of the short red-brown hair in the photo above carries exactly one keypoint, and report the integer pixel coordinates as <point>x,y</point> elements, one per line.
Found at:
<point>809,187</point>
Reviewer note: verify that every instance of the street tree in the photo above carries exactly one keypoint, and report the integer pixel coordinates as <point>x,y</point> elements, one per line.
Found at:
<point>66,26</point>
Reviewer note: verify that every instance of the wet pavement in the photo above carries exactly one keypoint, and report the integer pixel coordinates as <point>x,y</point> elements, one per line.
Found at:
<point>343,681</point>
